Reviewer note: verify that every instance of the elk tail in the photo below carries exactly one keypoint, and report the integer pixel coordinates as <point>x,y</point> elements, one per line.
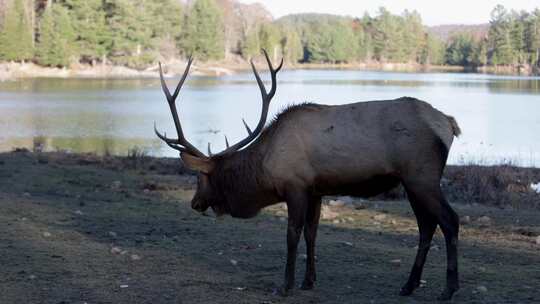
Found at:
<point>455,128</point>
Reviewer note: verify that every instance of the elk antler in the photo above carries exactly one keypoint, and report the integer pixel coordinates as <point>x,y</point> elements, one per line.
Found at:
<point>180,144</point>
<point>266,98</point>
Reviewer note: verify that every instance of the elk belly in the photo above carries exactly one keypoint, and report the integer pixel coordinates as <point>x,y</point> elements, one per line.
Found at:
<point>362,188</point>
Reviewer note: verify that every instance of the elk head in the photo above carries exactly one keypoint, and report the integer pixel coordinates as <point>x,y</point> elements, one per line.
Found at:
<point>208,195</point>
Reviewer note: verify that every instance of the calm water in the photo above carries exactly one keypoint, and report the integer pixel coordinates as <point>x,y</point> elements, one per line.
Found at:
<point>499,116</point>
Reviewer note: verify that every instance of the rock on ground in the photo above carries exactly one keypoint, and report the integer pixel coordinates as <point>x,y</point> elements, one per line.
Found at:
<point>327,213</point>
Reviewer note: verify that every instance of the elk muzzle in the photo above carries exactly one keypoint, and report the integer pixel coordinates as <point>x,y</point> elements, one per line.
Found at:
<point>199,205</point>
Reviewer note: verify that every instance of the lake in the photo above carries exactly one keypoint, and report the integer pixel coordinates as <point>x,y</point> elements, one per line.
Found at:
<point>499,115</point>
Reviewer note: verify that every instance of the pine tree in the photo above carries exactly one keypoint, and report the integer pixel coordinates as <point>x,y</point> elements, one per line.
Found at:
<point>480,53</point>
<point>203,31</point>
<point>56,37</point>
<point>16,37</point>
<point>380,34</point>
<point>130,31</point>
<point>432,51</point>
<point>532,37</point>
<point>343,47</point>
<point>251,45</point>
<point>499,35</point>
<point>330,41</point>
<point>517,36</point>
<point>413,36</point>
<point>460,50</point>
<point>318,43</point>
<point>166,19</point>
<point>269,37</point>
<point>93,39</point>
<point>293,50</point>
<point>388,37</point>
<point>363,41</point>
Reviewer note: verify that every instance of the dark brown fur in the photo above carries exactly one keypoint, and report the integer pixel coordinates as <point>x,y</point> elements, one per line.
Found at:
<point>359,149</point>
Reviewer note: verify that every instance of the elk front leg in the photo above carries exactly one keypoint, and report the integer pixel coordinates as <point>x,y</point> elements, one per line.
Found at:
<point>297,202</point>
<point>310,233</point>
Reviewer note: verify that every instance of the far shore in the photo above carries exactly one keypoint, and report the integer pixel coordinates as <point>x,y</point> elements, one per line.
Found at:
<point>14,70</point>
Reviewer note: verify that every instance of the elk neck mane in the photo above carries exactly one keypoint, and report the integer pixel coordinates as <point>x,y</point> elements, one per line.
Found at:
<point>282,116</point>
<point>241,174</point>
<point>238,176</point>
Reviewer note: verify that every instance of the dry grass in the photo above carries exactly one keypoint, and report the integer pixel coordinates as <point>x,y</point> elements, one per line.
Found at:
<point>503,186</point>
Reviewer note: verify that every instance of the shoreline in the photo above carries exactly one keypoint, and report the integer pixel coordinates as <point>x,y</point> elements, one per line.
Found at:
<point>28,70</point>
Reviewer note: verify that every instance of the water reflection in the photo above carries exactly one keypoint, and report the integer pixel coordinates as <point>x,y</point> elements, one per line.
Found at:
<point>101,145</point>
<point>498,114</point>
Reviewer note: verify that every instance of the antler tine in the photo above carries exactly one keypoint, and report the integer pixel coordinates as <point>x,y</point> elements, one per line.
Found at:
<point>247,127</point>
<point>266,98</point>
<point>181,141</point>
<point>209,150</point>
<point>173,143</point>
<point>184,76</point>
<point>273,73</point>
<point>226,142</point>
<point>164,85</point>
<point>258,78</point>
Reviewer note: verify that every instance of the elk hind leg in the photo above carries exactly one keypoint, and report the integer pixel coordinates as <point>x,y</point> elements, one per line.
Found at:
<point>427,224</point>
<point>428,197</point>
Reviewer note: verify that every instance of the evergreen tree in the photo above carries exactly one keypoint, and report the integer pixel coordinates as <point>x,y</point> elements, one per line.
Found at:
<point>380,34</point>
<point>251,44</point>
<point>166,19</point>
<point>16,37</point>
<point>130,32</point>
<point>388,37</point>
<point>318,43</point>
<point>413,36</point>
<point>93,39</point>
<point>532,37</point>
<point>293,50</point>
<point>363,39</point>
<point>269,38</point>
<point>480,53</point>
<point>432,51</point>
<point>517,36</point>
<point>344,48</point>
<point>460,50</point>
<point>203,31</point>
<point>56,37</point>
<point>331,42</point>
<point>499,35</point>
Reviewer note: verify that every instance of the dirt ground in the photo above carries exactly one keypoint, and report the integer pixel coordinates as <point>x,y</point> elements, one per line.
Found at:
<point>75,229</point>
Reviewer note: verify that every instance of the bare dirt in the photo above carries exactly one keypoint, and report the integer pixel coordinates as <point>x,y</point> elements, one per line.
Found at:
<point>80,229</point>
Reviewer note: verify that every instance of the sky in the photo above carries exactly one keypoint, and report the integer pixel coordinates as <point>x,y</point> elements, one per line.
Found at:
<point>434,12</point>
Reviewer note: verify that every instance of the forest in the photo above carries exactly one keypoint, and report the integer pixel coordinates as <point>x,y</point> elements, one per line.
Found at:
<point>138,33</point>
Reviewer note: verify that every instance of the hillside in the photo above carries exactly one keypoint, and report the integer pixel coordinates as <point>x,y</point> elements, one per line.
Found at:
<point>445,31</point>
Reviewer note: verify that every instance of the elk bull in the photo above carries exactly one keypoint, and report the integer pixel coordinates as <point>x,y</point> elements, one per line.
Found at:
<point>309,150</point>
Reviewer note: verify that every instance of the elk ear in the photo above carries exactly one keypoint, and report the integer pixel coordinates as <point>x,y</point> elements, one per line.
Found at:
<point>204,165</point>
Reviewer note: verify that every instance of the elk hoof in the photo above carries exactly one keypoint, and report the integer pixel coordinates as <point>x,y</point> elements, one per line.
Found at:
<point>446,295</point>
<point>283,291</point>
<point>307,285</point>
<point>408,289</point>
